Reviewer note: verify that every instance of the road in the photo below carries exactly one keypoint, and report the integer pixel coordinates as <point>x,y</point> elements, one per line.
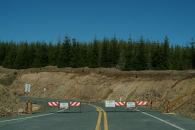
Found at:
<point>85,120</point>
<point>94,117</point>
<point>148,120</point>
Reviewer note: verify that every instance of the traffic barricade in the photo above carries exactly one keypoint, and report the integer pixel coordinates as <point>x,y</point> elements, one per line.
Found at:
<point>114,106</point>
<point>131,106</point>
<point>63,106</point>
<point>142,103</point>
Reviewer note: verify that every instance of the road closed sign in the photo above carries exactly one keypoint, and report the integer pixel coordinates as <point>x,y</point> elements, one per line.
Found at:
<point>131,104</point>
<point>64,105</point>
<point>110,103</point>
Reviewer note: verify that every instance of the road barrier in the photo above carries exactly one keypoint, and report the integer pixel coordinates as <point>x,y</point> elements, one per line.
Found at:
<point>131,105</point>
<point>142,103</point>
<point>75,104</point>
<point>64,106</point>
<point>120,103</point>
<point>115,106</point>
<point>53,104</point>
<point>107,105</point>
<point>110,103</point>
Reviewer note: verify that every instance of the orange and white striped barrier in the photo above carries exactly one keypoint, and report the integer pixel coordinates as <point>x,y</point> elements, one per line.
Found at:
<point>75,104</point>
<point>53,104</point>
<point>142,103</point>
<point>120,103</point>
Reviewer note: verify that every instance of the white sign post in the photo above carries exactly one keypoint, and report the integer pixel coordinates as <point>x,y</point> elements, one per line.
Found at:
<point>110,103</point>
<point>27,88</point>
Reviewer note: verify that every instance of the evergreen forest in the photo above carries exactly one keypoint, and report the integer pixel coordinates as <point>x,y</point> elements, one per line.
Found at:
<point>108,53</point>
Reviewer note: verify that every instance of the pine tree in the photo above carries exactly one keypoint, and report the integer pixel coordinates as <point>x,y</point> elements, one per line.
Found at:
<point>53,54</point>
<point>10,56</point>
<point>129,55</point>
<point>2,52</point>
<point>21,61</point>
<point>140,62</point>
<point>115,52</point>
<point>192,51</point>
<point>157,57</point>
<point>40,55</point>
<point>37,56</point>
<point>166,53</point>
<point>64,57</point>
<point>84,61</point>
<point>93,54</point>
<point>75,58</point>
<point>104,60</point>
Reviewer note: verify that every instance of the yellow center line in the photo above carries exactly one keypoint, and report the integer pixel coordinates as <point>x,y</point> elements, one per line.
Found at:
<point>100,111</point>
<point>98,127</point>
<point>105,119</point>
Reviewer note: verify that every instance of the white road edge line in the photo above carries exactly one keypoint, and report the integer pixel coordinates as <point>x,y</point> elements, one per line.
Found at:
<point>166,122</point>
<point>61,110</point>
<point>24,118</point>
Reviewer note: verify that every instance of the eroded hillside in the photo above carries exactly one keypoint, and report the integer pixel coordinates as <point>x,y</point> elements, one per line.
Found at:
<point>98,84</point>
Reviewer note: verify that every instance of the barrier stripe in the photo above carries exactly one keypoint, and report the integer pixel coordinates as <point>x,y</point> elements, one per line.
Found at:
<point>142,103</point>
<point>120,103</point>
<point>75,104</point>
<point>53,104</point>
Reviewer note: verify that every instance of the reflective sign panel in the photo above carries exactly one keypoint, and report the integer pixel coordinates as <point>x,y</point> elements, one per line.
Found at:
<point>110,103</point>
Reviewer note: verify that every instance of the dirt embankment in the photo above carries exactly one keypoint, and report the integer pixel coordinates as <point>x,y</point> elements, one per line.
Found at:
<point>8,102</point>
<point>178,87</point>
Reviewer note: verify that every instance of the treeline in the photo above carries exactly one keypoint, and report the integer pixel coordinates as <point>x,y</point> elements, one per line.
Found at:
<point>125,55</point>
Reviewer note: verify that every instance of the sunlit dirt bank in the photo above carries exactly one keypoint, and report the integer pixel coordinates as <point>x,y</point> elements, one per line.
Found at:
<point>177,87</point>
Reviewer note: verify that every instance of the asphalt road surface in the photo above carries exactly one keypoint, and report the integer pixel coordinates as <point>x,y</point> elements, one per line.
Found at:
<point>148,120</point>
<point>85,120</point>
<point>94,117</point>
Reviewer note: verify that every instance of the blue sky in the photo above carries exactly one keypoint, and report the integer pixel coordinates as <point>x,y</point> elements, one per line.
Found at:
<point>51,20</point>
